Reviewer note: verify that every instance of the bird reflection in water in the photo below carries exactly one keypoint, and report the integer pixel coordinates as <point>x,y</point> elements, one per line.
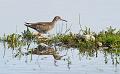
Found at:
<point>44,49</point>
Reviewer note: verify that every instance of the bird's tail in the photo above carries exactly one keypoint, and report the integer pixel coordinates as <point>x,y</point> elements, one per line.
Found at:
<point>27,24</point>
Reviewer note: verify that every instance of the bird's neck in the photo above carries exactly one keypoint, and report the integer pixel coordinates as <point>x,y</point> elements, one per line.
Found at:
<point>54,21</point>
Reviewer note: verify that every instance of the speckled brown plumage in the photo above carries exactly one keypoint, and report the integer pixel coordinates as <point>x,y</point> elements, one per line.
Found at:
<point>43,27</point>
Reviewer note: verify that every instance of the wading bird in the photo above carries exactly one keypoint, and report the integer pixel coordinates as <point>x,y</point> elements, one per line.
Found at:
<point>44,27</point>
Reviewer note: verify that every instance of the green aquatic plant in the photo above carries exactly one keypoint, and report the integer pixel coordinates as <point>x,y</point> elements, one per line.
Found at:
<point>14,41</point>
<point>19,53</point>
<point>70,40</point>
<point>13,38</point>
<point>87,31</point>
<point>110,37</point>
<point>27,35</point>
<point>110,30</point>
<point>114,54</point>
<point>88,52</point>
<point>65,39</point>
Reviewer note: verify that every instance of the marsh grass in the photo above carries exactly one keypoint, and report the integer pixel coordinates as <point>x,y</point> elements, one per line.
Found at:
<point>109,38</point>
<point>12,40</point>
<point>27,35</point>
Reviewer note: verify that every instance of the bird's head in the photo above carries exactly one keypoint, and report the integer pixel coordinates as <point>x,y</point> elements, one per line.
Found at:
<point>56,18</point>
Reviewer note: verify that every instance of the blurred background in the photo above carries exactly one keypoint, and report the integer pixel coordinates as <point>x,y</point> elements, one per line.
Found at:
<point>96,14</point>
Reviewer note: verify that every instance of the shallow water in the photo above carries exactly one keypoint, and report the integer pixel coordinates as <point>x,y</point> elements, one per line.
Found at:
<point>96,14</point>
<point>99,62</point>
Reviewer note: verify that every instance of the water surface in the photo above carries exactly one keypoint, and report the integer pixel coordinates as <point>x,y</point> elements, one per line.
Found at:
<point>73,61</point>
<point>96,14</point>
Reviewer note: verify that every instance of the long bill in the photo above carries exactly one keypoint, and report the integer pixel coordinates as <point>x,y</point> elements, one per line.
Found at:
<point>63,20</point>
